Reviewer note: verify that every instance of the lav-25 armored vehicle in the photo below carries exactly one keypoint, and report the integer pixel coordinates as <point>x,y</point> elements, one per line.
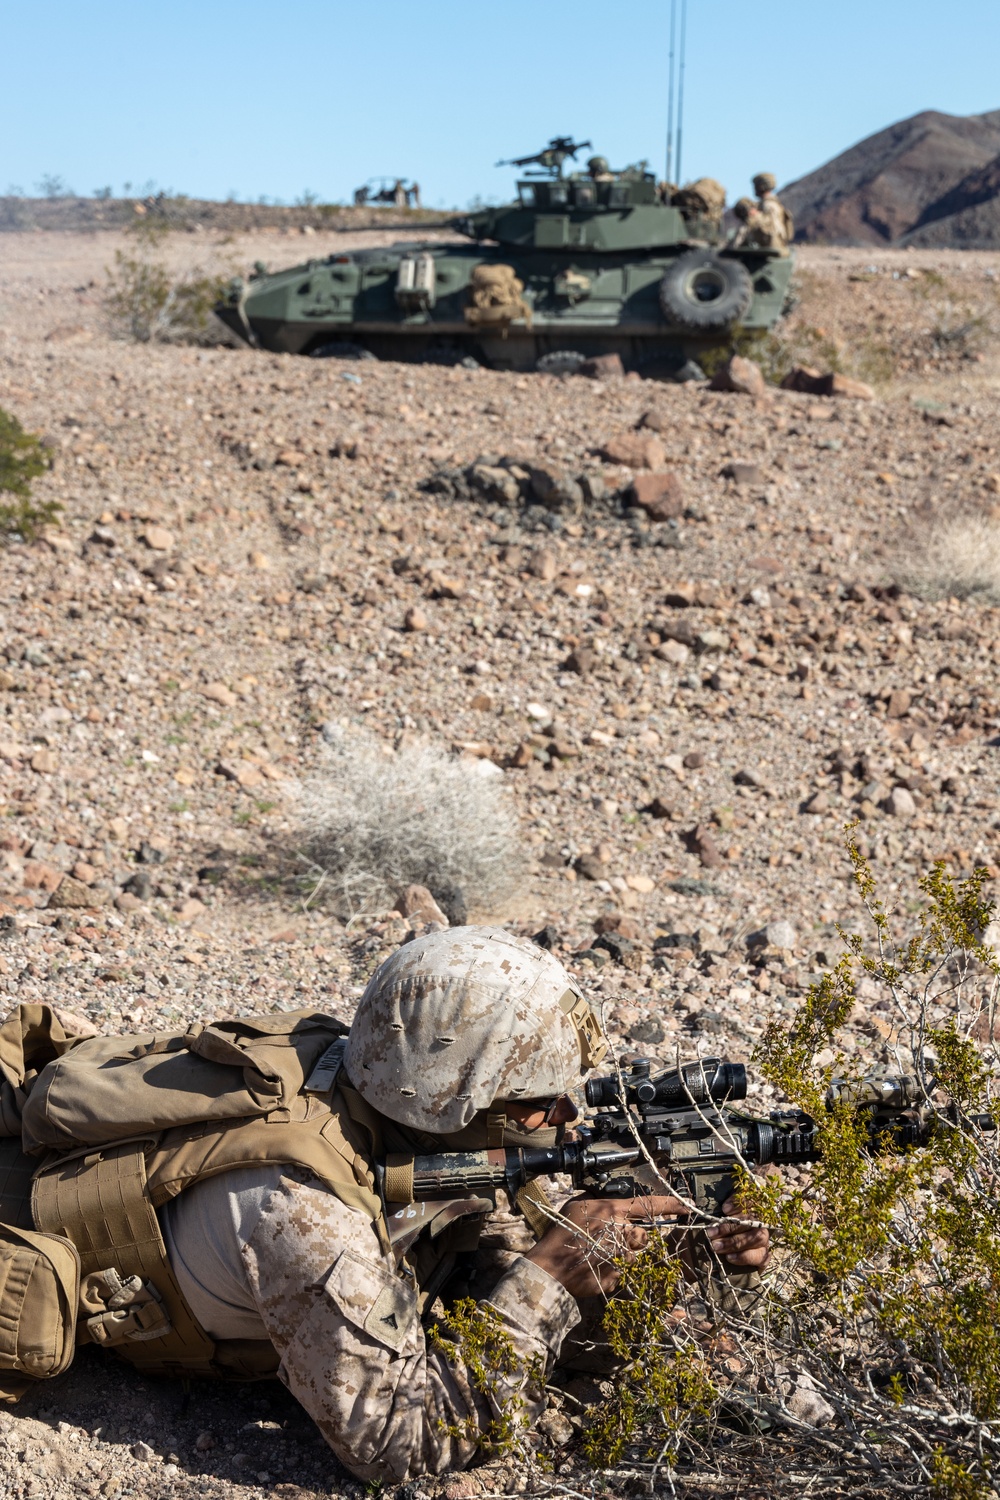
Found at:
<point>579,265</point>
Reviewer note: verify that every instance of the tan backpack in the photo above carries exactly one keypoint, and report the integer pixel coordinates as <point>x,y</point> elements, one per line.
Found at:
<point>110,1128</point>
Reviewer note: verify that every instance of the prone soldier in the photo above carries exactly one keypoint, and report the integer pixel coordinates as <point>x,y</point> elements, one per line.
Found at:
<point>249,1207</point>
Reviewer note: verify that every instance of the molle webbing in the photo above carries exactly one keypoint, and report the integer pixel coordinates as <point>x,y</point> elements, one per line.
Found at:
<point>99,1202</point>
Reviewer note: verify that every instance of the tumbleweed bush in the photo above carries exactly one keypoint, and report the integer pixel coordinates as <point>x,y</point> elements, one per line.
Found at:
<point>957,557</point>
<point>374,822</point>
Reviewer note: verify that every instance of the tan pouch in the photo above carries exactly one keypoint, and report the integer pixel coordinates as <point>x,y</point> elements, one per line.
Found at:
<point>30,1037</point>
<point>39,1290</point>
<point>116,1088</point>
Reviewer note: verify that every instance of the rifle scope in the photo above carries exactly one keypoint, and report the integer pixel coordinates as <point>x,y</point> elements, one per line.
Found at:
<point>708,1081</point>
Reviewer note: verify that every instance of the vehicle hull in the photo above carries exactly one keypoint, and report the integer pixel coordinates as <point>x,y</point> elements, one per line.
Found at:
<point>590,304</point>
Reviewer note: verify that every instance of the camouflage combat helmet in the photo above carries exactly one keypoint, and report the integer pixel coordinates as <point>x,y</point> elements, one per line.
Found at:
<point>455,1021</point>
<point>765,182</point>
<point>744,209</point>
<point>598,166</point>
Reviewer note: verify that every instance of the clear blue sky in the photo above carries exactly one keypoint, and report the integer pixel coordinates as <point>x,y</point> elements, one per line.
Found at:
<point>209,97</point>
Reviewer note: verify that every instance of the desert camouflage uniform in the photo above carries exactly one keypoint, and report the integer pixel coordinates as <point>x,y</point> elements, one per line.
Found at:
<point>448,1025</point>
<point>354,1352</point>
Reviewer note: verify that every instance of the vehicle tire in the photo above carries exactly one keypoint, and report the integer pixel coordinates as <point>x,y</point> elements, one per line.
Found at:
<point>560,362</point>
<point>704,290</point>
<point>340,349</point>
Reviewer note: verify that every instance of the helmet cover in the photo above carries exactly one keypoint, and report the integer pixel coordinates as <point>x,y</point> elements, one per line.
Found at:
<point>454,1021</point>
<point>765,182</point>
<point>598,164</point>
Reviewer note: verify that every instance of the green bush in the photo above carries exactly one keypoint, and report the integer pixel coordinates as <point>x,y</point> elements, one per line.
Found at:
<point>879,1315</point>
<point>884,1291</point>
<point>22,460</point>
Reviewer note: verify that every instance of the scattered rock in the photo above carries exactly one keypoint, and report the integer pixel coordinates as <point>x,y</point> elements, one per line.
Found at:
<point>158,538</point>
<point>803,1399</point>
<point>661,496</point>
<point>554,1424</point>
<point>900,803</point>
<point>415,619</point>
<point>743,475</point>
<point>581,660</point>
<point>140,885</point>
<point>556,490</point>
<point>243,772</point>
<point>603,367</point>
<point>739,375</point>
<point>660,808</point>
<point>777,934</point>
<point>699,840</point>
<point>649,1032</point>
<point>590,867</point>
<point>417,903</point>
<point>70,893</point>
<point>217,692</point>
<point>635,450</point>
<point>802,378</point>
<point>39,876</point>
<point>542,564</point>
<point>547,938</point>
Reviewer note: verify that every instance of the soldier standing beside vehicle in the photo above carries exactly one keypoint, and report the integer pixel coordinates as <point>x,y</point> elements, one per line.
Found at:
<point>775,223</point>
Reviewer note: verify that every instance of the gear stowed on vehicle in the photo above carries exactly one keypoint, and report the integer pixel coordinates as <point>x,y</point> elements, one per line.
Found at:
<point>596,262</point>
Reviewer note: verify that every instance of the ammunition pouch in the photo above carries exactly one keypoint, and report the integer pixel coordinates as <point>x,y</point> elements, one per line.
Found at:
<point>39,1287</point>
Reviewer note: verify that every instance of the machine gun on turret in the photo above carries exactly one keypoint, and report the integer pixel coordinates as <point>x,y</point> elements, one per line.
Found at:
<point>680,1127</point>
<point>550,160</point>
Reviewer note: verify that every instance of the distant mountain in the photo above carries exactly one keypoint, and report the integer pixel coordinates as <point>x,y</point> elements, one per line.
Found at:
<point>931,179</point>
<point>967,216</point>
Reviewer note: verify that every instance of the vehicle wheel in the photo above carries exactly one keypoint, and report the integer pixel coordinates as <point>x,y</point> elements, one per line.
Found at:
<point>560,362</point>
<point>705,290</point>
<point>340,349</point>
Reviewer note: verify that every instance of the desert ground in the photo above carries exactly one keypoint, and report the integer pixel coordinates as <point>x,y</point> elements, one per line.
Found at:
<point>684,714</point>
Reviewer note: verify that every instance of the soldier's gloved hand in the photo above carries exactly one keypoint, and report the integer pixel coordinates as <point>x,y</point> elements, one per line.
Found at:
<point>581,1257</point>
<point>741,1245</point>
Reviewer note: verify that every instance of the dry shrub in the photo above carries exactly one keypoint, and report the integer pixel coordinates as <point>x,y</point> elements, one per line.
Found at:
<point>956,557</point>
<point>375,822</point>
<point>145,304</point>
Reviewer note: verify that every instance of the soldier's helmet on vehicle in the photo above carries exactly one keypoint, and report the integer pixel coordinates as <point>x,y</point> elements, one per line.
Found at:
<point>455,1021</point>
<point>764,182</point>
<point>599,168</point>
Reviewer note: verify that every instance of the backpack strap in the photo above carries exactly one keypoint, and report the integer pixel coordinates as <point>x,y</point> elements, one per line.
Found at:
<point>99,1202</point>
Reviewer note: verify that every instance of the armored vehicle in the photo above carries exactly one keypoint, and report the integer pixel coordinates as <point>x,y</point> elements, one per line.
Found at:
<point>587,264</point>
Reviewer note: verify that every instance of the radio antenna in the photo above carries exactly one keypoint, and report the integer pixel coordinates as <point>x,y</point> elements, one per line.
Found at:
<point>680,88</point>
<point>670,92</point>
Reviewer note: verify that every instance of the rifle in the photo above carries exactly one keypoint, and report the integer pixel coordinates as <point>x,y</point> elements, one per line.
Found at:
<point>681,1127</point>
<point>551,158</point>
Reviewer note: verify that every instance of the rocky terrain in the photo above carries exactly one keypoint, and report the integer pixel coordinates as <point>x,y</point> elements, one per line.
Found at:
<point>684,711</point>
<point>929,180</point>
